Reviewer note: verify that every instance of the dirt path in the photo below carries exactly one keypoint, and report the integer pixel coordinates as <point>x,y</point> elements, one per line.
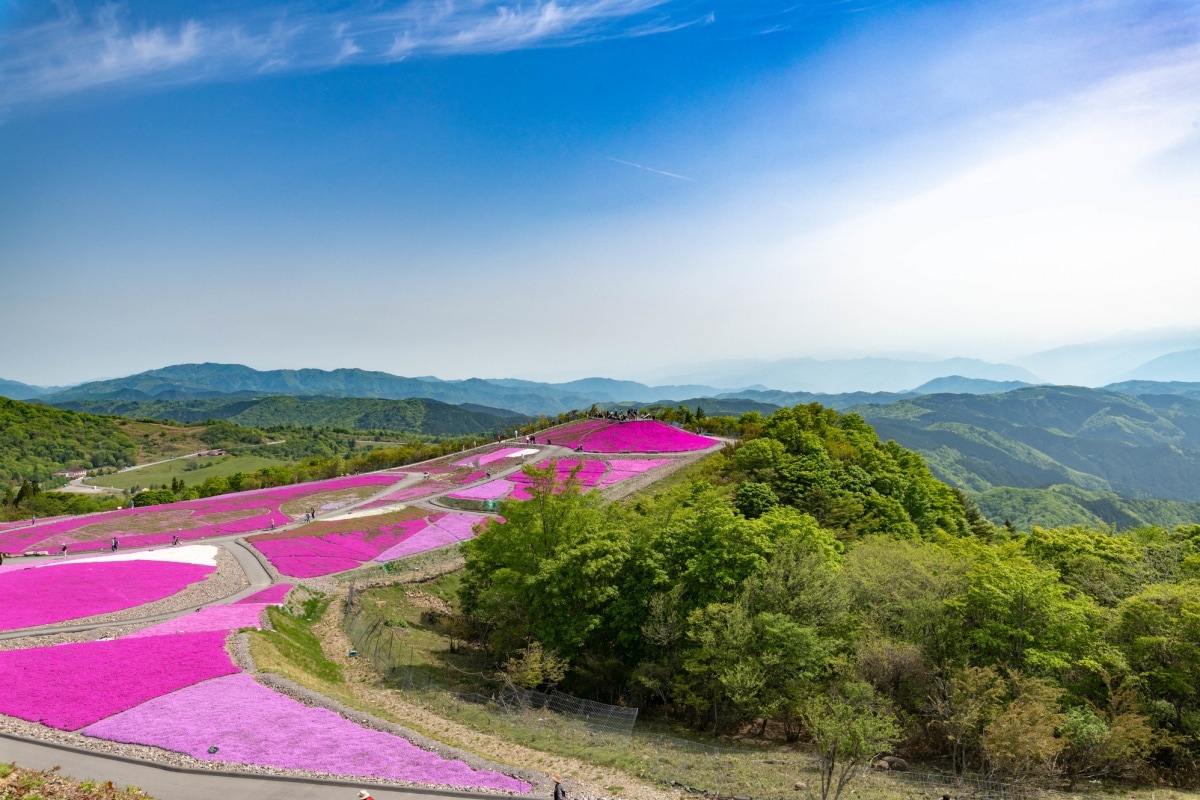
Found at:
<point>583,780</point>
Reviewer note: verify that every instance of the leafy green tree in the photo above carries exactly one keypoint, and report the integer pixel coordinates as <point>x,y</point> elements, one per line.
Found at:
<point>754,499</point>
<point>1158,630</point>
<point>548,572</point>
<point>848,726</point>
<point>1019,615</point>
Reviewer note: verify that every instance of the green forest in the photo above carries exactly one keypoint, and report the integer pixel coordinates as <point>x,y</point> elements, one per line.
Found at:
<point>813,572</point>
<point>36,441</point>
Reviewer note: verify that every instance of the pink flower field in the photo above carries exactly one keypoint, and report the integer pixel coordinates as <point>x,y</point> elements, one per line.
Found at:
<point>68,686</point>
<point>622,469</point>
<point>422,489</point>
<point>639,436</point>
<point>336,551</point>
<point>444,529</point>
<point>272,594</point>
<point>213,618</point>
<point>252,724</point>
<point>492,490</point>
<point>242,512</point>
<point>588,477</point>
<point>52,593</point>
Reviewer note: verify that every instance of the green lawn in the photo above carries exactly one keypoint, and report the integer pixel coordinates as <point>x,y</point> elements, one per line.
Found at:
<point>223,466</point>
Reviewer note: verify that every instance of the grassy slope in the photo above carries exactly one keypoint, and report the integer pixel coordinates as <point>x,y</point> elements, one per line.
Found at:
<point>162,474</point>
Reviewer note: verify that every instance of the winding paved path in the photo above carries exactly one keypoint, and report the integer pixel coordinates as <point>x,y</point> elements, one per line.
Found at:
<point>172,783</point>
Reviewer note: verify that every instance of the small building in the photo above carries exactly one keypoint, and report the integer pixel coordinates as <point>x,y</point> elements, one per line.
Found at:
<point>71,474</point>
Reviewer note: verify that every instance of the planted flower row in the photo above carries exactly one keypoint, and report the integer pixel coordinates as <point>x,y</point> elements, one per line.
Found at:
<point>241,512</point>
<point>237,720</point>
<point>443,529</point>
<point>594,474</point>
<point>51,592</point>
<point>638,436</point>
<point>328,547</point>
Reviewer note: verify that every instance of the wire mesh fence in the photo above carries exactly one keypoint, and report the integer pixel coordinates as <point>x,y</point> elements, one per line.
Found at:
<point>609,734</point>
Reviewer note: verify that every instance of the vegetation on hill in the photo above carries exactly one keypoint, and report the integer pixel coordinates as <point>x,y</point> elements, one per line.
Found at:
<point>36,441</point>
<point>414,416</point>
<point>1139,447</point>
<point>1064,506</point>
<point>813,572</point>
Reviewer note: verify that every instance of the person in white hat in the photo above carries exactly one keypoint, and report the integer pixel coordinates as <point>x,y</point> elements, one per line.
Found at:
<point>363,794</point>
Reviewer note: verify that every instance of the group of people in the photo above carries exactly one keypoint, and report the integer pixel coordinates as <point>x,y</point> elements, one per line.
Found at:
<point>310,515</point>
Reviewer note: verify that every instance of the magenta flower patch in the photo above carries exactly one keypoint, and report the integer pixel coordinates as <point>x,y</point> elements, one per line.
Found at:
<point>621,469</point>
<point>272,594</point>
<point>443,530</point>
<point>249,723</point>
<point>639,436</point>
<point>311,556</point>
<point>213,618</point>
<point>423,489</point>
<point>244,512</point>
<point>588,476</point>
<point>68,686</point>
<point>492,490</point>
<point>60,592</point>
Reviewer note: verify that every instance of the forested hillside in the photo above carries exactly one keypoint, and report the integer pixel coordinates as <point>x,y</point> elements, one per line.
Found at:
<point>36,441</point>
<point>1138,447</point>
<point>414,416</point>
<point>814,572</point>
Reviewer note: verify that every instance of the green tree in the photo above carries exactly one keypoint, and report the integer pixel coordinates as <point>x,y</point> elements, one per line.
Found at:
<point>848,726</point>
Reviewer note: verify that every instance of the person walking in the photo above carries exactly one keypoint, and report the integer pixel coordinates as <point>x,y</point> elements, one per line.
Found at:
<point>63,552</point>
<point>559,792</point>
<point>363,794</point>
<point>114,544</point>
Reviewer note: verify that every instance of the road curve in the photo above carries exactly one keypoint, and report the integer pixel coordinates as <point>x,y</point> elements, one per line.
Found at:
<point>178,783</point>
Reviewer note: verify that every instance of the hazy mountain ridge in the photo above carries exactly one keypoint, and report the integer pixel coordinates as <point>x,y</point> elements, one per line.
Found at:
<point>411,415</point>
<point>1041,436</point>
<point>15,390</point>
<point>521,397</point>
<point>837,376</point>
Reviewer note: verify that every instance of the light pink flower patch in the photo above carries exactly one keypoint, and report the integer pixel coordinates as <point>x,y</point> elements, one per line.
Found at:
<point>423,489</point>
<point>621,469</point>
<point>213,618</point>
<point>68,686</point>
<point>272,594</point>
<point>444,529</point>
<point>492,490</point>
<point>311,556</point>
<point>30,597</point>
<point>249,723</point>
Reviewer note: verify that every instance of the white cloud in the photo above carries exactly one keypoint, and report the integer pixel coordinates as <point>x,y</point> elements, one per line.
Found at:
<point>76,51</point>
<point>1063,225</point>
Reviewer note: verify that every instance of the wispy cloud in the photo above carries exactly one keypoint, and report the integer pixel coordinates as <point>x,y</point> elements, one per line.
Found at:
<point>106,45</point>
<point>649,169</point>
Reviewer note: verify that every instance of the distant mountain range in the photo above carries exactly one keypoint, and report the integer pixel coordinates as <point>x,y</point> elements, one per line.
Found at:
<point>1125,454</point>
<point>837,376</point>
<point>15,390</point>
<point>413,415</point>
<point>1144,446</point>
<point>199,381</point>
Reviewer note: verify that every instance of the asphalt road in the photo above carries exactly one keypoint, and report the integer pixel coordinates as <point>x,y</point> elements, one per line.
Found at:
<point>167,784</point>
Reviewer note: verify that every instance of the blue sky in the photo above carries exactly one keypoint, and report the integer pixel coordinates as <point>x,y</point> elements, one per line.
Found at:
<point>559,189</point>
